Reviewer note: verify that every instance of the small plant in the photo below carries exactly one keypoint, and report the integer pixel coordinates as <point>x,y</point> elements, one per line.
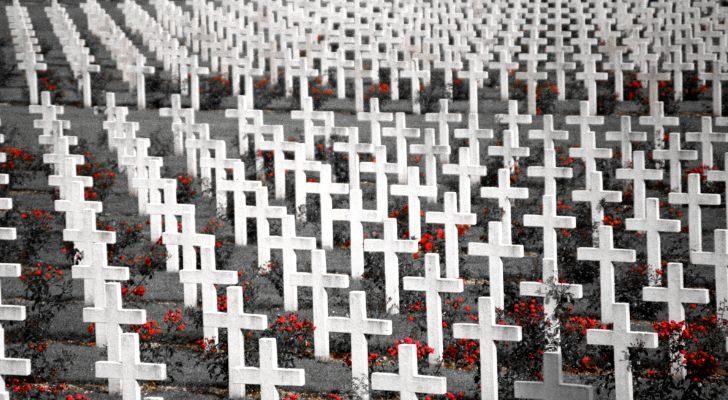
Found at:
<point>212,91</point>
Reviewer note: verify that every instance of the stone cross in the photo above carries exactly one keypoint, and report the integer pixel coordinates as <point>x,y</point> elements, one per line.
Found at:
<point>235,320</point>
<point>408,382</point>
<point>432,284</point>
<point>719,175</point>
<point>606,255</point>
<point>596,196</point>
<point>706,137</point>
<point>677,66</point>
<point>718,258</point>
<point>549,172</point>
<point>451,218</point>
<point>189,240</point>
<point>487,332</point>
<point>549,221</point>
<point>268,375</point>
<point>547,134</point>
<point>513,119</point>
<point>10,366</point>
<point>415,75</point>
<point>108,318</point>
<point>590,76</point>
<point>429,150</point>
<point>413,190</point>
<point>587,149</point>
<point>356,215</point>
<point>443,118</point>
<point>475,76</point>
<point>375,118</point>
<point>639,175</point>
<point>289,242</point>
<point>194,70</point>
<point>390,245</point>
<point>675,295</point>
<point>617,65</point>
<point>139,69</point>
<point>352,149</point>
<point>495,249</point>
<point>504,66</point>
<point>380,167</point>
<point>401,133</point>
<point>262,212</point>
<point>473,134</point>
<point>694,198</point>
<point>505,195</point>
<point>358,325</point>
<point>716,77</point>
<point>319,280</point>
<point>207,277</point>
<point>621,337</point>
<point>94,271</point>
<point>466,170</point>
<point>653,76</point>
<point>625,136</point>
<point>509,150</point>
<point>245,111</point>
<point>675,155</point>
<point>659,121</point>
<point>49,114</point>
<point>325,188</point>
<point>532,75</point>
<point>129,369</point>
<point>86,68</point>
<point>238,185</point>
<point>553,386</point>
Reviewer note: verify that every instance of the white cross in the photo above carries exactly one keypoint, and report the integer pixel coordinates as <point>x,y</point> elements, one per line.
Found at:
<point>451,218</point>
<point>473,134</point>
<point>716,77</point>
<point>129,369</point>
<point>358,325</point>
<point>413,190</point>
<point>194,70</point>
<point>547,134</point>
<point>375,118</point>
<point>621,337</point>
<point>235,320</point>
<point>319,280</point>
<point>596,196</point>
<point>706,137</point>
<point>694,198</point>
<point>10,366</point>
<point>553,386</point>
<point>509,150</point>
<point>487,332</point>
<point>625,136</point>
<point>653,77</point>
<point>415,75</point>
<point>429,150</point>
<point>325,188</point>
<point>268,375</point>
<point>590,76</point>
<point>675,155</point>
<point>408,382</point>
<point>139,69</point>
<point>513,119</point>
<point>495,249</point>
<point>659,121</point>
<point>606,255</point>
<point>353,148</point>
<point>443,118</point>
<point>718,258</point>
<point>549,221</point>
<point>262,212</point>
<point>289,242</point>
<point>505,195</point>
<point>639,175</point>
<point>108,317</point>
<point>401,133</point>
<point>432,284</point>
<point>466,170</point>
<point>356,215</point>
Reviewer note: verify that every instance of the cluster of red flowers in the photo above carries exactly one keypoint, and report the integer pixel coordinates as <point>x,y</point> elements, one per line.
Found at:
<point>221,80</point>
<point>579,324</point>
<point>47,84</point>
<point>526,312</point>
<point>174,319</point>
<point>147,330</point>
<point>298,329</point>
<point>700,364</point>
<point>562,205</point>
<point>213,227</point>
<point>381,88</point>
<point>22,388</point>
<point>422,349</point>
<point>15,157</point>
<point>38,215</point>
<point>208,345</point>
<point>45,272</point>
<point>465,352</point>
<point>702,170</point>
<point>632,91</point>
<point>138,261</point>
<point>612,221</point>
<point>318,89</point>
<point>137,291</point>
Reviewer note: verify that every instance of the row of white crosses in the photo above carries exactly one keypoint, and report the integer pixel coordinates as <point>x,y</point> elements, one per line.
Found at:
<point>27,50</point>
<point>9,366</point>
<point>227,41</point>
<point>129,60</point>
<point>102,290</point>
<point>74,49</point>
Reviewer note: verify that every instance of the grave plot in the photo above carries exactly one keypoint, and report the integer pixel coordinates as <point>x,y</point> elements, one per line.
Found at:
<point>310,200</point>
